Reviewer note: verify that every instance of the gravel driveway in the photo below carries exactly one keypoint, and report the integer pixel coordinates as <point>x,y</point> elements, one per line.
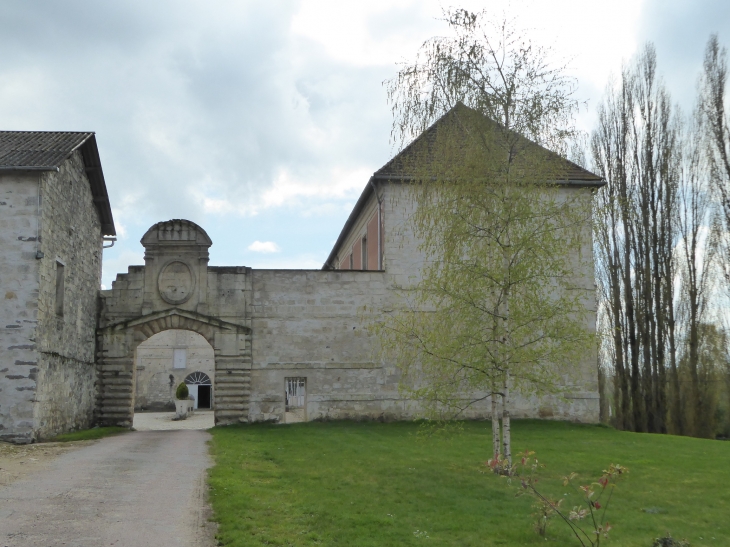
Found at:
<point>144,488</point>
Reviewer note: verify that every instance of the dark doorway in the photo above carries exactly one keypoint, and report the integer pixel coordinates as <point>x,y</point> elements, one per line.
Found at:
<point>203,396</point>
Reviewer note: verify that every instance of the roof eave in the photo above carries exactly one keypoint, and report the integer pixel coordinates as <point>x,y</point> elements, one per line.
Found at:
<point>359,206</point>
<point>29,168</point>
<point>95,174</point>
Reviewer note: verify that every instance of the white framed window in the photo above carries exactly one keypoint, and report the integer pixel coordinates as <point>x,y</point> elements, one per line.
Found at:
<point>179,358</point>
<point>295,393</point>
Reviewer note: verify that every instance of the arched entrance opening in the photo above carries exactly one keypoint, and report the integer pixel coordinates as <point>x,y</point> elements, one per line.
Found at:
<point>201,389</point>
<point>168,358</point>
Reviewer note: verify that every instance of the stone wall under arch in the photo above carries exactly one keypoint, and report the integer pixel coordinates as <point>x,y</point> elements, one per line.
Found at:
<point>165,360</point>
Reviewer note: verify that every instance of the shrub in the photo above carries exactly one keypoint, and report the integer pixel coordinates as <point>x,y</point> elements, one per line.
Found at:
<point>669,541</point>
<point>182,393</point>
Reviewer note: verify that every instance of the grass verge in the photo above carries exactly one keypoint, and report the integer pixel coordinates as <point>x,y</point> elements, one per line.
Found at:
<point>370,484</point>
<point>88,434</point>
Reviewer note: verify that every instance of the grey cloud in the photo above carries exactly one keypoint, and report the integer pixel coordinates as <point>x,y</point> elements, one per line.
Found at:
<point>184,97</point>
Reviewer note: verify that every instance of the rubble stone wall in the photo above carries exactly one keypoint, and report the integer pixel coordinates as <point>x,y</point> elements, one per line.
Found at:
<point>47,352</point>
<point>70,235</point>
<point>19,270</point>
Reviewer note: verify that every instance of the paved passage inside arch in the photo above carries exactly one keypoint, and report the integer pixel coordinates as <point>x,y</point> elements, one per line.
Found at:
<point>137,489</point>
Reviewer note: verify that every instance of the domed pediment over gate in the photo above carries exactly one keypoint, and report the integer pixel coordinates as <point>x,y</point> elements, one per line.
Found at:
<point>176,232</point>
<point>176,262</point>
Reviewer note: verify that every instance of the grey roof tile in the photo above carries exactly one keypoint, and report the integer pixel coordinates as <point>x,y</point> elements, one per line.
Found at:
<point>47,150</point>
<point>38,149</point>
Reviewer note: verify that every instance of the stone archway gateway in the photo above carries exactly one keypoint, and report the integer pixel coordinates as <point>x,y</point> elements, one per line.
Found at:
<point>175,289</point>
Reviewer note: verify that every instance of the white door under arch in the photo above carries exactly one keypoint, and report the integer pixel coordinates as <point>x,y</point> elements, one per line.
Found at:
<point>200,387</point>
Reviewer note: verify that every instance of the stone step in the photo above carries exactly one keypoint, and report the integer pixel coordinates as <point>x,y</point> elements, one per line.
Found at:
<point>235,414</point>
<point>232,366</point>
<point>117,388</point>
<point>233,388</point>
<point>113,367</point>
<point>115,416</point>
<point>227,378</point>
<point>117,395</point>
<point>105,376</point>
<point>230,407</point>
<point>232,379</point>
<point>117,381</point>
<point>230,400</point>
<point>233,385</point>
<point>116,408</point>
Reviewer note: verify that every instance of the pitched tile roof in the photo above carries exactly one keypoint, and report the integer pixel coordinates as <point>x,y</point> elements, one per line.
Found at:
<point>47,150</point>
<point>397,167</point>
<point>38,149</point>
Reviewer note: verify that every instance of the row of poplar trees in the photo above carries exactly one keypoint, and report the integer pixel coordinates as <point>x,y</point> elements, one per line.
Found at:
<point>662,251</point>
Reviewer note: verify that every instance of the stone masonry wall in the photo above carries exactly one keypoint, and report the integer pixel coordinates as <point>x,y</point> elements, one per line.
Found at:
<point>311,324</point>
<point>19,271</point>
<point>403,263</point>
<point>71,235</point>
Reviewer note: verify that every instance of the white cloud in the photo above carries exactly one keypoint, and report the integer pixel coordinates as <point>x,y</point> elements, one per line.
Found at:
<point>264,247</point>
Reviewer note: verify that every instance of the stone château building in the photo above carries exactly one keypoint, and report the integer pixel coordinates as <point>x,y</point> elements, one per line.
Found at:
<point>275,345</point>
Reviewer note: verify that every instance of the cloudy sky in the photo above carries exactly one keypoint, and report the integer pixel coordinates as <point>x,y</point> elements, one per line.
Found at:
<point>262,121</point>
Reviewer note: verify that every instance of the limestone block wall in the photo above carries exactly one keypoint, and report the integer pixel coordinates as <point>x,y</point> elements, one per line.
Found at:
<point>229,290</point>
<point>404,262</point>
<point>19,271</point>
<point>157,379</point>
<point>311,324</point>
<point>71,236</point>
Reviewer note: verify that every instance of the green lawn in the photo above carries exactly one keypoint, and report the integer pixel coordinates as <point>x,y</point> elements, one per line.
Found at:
<point>372,484</point>
<point>88,434</point>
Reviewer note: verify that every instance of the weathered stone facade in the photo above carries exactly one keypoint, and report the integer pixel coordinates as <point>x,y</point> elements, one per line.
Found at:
<point>270,325</point>
<point>50,233</point>
<point>71,355</point>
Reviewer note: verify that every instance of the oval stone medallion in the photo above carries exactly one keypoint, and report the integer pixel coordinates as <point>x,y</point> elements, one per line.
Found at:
<point>175,283</point>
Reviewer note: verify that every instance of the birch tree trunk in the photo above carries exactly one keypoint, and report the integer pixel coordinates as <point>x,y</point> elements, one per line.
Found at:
<point>495,426</point>
<point>506,438</point>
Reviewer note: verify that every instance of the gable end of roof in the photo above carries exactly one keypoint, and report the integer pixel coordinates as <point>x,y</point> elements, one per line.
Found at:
<point>47,150</point>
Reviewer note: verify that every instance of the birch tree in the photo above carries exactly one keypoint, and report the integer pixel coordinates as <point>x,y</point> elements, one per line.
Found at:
<point>498,309</point>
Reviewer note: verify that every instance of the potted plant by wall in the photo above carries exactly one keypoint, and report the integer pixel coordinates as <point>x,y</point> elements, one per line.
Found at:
<point>181,401</point>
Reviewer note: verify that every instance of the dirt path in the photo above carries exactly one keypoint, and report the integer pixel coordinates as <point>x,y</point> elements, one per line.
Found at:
<point>145,488</point>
